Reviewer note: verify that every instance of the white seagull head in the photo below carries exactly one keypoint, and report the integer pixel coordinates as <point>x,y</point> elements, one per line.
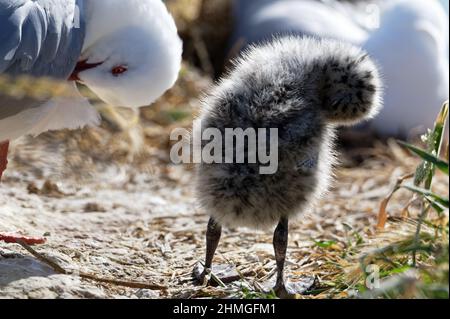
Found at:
<point>132,52</point>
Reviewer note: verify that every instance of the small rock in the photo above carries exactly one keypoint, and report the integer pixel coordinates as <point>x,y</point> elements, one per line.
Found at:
<point>49,189</point>
<point>147,294</point>
<point>94,208</point>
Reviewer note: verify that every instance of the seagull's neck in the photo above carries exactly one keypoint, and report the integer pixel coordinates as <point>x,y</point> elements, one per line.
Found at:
<point>106,17</point>
<point>92,12</point>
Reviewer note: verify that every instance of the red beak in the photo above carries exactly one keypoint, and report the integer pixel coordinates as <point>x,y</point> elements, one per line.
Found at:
<point>80,67</point>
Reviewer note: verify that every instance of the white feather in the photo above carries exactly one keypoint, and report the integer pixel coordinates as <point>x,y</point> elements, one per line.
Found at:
<point>143,38</point>
<point>138,34</point>
<point>411,49</point>
<point>409,43</point>
<point>57,113</point>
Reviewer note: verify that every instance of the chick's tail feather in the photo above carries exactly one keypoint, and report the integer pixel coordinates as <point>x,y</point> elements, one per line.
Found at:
<point>348,83</point>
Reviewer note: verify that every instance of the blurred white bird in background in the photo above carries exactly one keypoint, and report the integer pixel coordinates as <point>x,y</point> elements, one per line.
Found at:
<point>407,38</point>
<point>126,51</point>
<point>411,46</point>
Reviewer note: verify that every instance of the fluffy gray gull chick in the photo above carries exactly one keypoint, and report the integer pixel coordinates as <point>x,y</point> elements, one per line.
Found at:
<point>305,88</point>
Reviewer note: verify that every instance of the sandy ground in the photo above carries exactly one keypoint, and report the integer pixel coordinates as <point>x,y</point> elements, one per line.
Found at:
<point>136,222</point>
<point>141,225</point>
<point>112,206</point>
<point>103,225</point>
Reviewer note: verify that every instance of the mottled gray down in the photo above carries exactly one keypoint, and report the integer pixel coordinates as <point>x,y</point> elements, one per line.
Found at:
<point>305,88</point>
<point>45,43</point>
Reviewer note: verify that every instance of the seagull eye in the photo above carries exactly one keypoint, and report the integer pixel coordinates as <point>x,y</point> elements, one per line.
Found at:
<point>118,70</point>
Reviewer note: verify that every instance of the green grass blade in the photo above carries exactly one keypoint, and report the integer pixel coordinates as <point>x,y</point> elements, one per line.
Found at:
<point>325,244</point>
<point>440,164</point>
<point>429,194</point>
<point>436,206</point>
<point>434,139</point>
<point>443,115</point>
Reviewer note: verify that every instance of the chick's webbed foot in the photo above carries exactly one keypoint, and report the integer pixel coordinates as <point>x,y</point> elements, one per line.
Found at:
<point>292,289</point>
<point>217,274</point>
<point>285,288</point>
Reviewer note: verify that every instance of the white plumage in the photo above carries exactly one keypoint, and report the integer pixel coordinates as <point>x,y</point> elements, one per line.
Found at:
<point>72,113</point>
<point>143,37</point>
<point>411,47</point>
<point>136,37</point>
<point>126,51</point>
<point>408,39</point>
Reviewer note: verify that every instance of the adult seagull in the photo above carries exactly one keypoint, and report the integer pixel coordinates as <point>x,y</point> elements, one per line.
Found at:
<point>407,38</point>
<point>126,51</point>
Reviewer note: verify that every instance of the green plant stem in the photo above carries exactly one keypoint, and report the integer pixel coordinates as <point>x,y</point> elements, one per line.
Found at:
<point>422,217</point>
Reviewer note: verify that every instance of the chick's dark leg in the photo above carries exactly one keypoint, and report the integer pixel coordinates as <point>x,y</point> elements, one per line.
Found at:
<point>213,234</point>
<point>220,273</point>
<point>280,242</point>
<point>287,288</point>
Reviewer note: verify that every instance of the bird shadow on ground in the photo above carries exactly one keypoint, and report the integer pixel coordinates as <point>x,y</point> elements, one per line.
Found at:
<point>15,266</point>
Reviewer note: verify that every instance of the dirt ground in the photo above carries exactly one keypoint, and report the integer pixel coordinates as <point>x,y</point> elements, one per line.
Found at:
<point>139,224</point>
<point>122,222</point>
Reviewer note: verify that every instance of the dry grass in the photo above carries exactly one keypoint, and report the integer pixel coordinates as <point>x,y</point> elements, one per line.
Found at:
<point>162,247</point>
<point>116,208</point>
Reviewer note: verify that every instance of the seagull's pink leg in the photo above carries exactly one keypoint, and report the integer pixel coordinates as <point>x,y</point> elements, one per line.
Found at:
<point>17,239</point>
<point>3,157</point>
<point>7,237</point>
